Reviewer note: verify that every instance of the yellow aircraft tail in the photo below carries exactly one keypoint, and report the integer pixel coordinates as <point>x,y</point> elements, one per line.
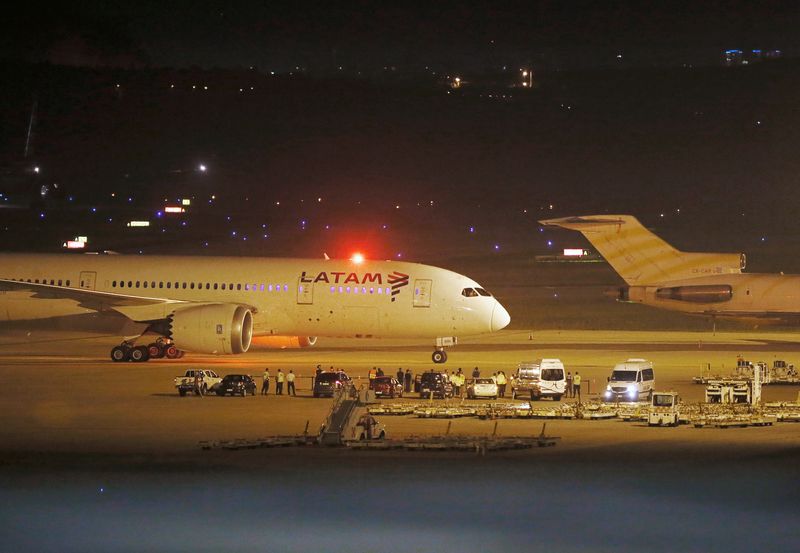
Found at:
<point>642,258</point>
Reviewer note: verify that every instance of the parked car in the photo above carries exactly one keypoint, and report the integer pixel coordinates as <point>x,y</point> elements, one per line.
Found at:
<point>435,384</point>
<point>208,381</point>
<point>482,387</point>
<point>387,386</point>
<point>237,384</point>
<point>326,383</point>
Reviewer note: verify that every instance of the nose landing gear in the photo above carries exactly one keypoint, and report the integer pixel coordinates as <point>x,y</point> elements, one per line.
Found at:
<point>440,355</point>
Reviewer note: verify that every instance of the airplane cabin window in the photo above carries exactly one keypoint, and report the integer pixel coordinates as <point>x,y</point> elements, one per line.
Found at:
<point>144,284</point>
<point>113,283</point>
<point>238,286</point>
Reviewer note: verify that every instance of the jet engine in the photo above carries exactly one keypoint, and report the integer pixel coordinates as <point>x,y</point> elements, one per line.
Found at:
<point>706,293</point>
<point>222,328</point>
<point>284,342</point>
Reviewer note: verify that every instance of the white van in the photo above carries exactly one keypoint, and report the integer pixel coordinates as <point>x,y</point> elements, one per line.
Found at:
<point>540,378</point>
<point>631,380</point>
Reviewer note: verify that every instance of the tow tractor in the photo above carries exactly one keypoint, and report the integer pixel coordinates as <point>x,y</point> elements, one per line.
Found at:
<point>664,409</point>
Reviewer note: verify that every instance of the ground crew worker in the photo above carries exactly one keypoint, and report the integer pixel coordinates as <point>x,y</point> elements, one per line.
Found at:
<point>400,375</point>
<point>290,383</point>
<point>198,383</point>
<point>407,381</point>
<point>501,384</point>
<point>476,373</point>
<point>373,373</point>
<point>265,384</point>
<point>569,384</point>
<point>279,383</point>
<point>576,385</point>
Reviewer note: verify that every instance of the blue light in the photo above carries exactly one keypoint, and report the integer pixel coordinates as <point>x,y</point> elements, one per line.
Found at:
<point>159,214</point>
<point>549,243</point>
<point>472,229</point>
<point>496,247</point>
<point>41,215</point>
<point>93,210</point>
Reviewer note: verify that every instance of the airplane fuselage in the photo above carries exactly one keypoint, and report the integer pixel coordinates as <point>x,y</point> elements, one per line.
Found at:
<point>296,297</point>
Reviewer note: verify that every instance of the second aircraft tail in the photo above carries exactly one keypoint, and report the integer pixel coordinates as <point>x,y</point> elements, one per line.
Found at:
<point>639,256</point>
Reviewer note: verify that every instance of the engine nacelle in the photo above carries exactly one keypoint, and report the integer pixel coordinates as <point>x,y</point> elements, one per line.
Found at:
<point>705,293</point>
<point>224,328</point>
<point>284,342</point>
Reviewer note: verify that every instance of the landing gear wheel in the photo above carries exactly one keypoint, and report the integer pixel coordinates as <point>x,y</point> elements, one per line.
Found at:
<point>120,353</point>
<point>439,356</point>
<point>171,352</point>
<point>139,354</point>
<point>155,351</point>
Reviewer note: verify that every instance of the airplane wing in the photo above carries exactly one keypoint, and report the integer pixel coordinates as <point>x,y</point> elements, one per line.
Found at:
<point>136,308</point>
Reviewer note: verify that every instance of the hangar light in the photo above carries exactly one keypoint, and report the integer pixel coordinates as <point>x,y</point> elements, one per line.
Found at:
<point>139,224</point>
<point>573,252</point>
<point>74,244</point>
<point>186,201</point>
<point>174,209</point>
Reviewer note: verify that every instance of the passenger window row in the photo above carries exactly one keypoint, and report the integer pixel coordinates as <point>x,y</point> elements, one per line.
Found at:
<point>247,287</point>
<point>360,290</point>
<point>51,282</point>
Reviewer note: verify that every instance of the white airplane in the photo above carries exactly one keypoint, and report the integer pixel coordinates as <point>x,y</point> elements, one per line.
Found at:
<point>658,275</point>
<point>220,305</point>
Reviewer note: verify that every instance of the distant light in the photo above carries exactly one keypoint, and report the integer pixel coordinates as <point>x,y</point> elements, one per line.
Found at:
<point>174,209</point>
<point>472,230</point>
<point>202,168</point>
<point>139,224</point>
<point>497,247</point>
<point>159,214</point>
<point>186,201</point>
<point>319,200</point>
<point>74,244</point>
<point>41,215</point>
<point>549,243</point>
<point>93,210</point>
<point>573,252</point>
<point>357,258</point>
<point>36,169</point>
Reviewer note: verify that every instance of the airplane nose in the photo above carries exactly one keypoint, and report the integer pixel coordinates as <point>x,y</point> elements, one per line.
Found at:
<point>500,317</point>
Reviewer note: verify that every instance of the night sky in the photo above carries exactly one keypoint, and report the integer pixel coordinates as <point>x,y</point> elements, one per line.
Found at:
<point>632,110</point>
<point>281,35</point>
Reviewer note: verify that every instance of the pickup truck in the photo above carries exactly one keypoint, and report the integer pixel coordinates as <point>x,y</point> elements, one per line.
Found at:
<point>185,383</point>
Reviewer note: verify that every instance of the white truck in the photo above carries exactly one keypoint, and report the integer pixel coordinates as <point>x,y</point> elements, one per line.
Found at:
<point>185,383</point>
<point>664,409</point>
<point>540,378</point>
<point>631,380</point>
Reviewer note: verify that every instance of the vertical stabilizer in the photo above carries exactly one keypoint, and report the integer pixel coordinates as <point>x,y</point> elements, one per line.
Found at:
<point>639,256</point>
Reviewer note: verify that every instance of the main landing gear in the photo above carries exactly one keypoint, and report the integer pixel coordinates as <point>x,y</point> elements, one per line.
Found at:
<point>440,355</point>
<point>128,351</point>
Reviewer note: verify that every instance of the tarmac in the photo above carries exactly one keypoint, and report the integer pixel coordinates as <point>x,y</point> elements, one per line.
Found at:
<point>79,429</point>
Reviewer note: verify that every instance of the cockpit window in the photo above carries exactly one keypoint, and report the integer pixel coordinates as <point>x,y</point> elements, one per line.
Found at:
<point>483,292</point>
<point>469,293</point>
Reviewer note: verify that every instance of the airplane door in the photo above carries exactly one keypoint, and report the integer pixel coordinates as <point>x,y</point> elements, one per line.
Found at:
<point>422,292</point>
<point>87,279</point>
<point>305,293</point>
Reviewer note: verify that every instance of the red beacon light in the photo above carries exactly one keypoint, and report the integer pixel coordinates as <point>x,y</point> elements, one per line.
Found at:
<point>357,258</point>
